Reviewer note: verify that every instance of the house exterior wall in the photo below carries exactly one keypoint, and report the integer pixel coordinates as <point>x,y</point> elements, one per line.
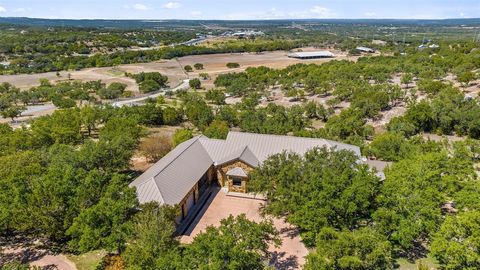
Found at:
<point>183,204</point>
<point>226,181</point>
<point>195,190</point>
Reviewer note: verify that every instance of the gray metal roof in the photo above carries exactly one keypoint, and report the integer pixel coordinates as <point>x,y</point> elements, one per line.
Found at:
<point>243,153</point>
<point>217,149</point>
<point>172,177</point>
<point>264,146</point>
<point>237,171</point>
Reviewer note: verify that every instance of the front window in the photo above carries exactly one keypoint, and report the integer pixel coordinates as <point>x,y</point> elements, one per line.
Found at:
<point>237,181</point>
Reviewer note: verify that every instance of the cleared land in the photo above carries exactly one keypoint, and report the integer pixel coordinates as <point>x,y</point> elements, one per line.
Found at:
<point>213,64</point>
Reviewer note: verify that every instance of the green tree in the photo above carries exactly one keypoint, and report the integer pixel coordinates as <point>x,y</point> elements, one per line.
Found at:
<point>195,83</point>
<point>148,86</point>
<point>359,249</point>
<point>216,96</point>
<point>412,195</point>
<point>171,116</point>
<point>197,111</point>
<point>217,130</point>
<point>390,147</point>
<point>457,244</point>
<point>331,190</point>
<point>188,68</point>
<point>113,91</point>
<point>233,65</point>
<point>152,238</point>
<point>106,224</point>
<point>198,66</point>
<point>466,77</point>
<point>182,135</point>
<point>12,112</point>
<point>406,79</point>
<point>237,243</point>
<point>204,76</point>
<point>63,103</point>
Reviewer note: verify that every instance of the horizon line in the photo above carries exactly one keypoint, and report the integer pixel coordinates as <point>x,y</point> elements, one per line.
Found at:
<point>277,19</point>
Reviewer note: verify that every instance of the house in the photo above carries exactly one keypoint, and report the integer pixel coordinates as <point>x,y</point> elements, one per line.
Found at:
<point>183,176</point>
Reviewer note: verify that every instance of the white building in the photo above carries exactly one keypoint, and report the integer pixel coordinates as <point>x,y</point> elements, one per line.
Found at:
<point>311,55</point>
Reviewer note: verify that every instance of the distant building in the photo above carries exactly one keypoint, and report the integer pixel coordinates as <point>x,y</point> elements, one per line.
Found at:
<point>422,47</point>
<point>193,42</point>
<point>434,46</point>
<point>311,55</point>
<point>365,49</point>
<point>243,34</point>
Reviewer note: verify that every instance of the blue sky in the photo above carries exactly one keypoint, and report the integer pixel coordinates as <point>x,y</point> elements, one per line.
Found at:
<point>240,9</point>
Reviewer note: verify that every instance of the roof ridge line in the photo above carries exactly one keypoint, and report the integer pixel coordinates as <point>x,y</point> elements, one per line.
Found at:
<point>179,154</point>
<point>243,151</point>
<point>288,136</point>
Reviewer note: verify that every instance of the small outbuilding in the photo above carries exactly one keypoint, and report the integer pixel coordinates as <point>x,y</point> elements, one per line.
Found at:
<point>365,49</point>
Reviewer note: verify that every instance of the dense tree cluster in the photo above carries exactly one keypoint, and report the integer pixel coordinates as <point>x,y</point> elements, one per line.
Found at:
<point>149,81</point>
<point>237,243</point>
<point>58,61</point>
<point>59,183</point>
<point>428,201</point>
<point>448,112</point>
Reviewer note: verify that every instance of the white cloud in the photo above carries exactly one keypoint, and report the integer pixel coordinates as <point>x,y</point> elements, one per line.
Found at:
<point>140,7</point>
<point>370,14</point>
<point>462,15</point>
<point>2,9</point>
<point>172,5</point>
<point>273,13</point>
<point>322,12</point>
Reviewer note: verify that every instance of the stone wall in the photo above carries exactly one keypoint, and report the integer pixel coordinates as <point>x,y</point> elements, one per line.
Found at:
<point>226,181</point>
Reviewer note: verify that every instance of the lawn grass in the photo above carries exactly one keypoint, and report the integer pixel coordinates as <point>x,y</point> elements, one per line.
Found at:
<point>87,261</point>
<point>430,262</point>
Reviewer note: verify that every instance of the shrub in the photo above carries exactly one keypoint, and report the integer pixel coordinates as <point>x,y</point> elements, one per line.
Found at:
<point>195,83</point>
<point>233,65</point>
<point>155,147</point>
<point>188,68</point>
<point>182,135</point>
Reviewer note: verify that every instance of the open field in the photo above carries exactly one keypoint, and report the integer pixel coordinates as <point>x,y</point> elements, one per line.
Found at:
<point>87,261</point>
<point>213,64</point>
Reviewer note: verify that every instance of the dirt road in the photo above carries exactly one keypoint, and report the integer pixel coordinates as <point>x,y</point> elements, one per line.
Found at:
<point>37,257</point>
<point>173,68</point>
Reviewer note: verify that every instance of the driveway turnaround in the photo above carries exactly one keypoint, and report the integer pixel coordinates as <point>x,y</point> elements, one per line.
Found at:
<point>290,255</point>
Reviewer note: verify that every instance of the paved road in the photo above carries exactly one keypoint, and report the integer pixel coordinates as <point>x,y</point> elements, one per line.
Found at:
<point>133,101</point>
<point>31,110</point>
<point>40,110</point>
